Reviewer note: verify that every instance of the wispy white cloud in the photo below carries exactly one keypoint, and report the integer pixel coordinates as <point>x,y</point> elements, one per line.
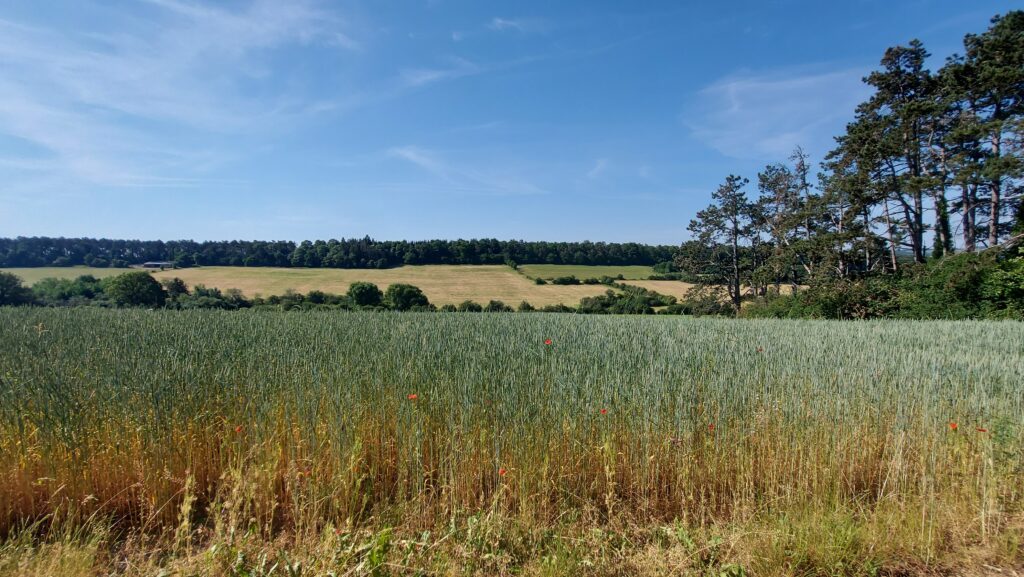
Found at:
<point>125,108</point>
<point>460,67</point>
<point>765,115</point>
<point>600,165</point>
<point>460,178</point>
<point>523,25</point>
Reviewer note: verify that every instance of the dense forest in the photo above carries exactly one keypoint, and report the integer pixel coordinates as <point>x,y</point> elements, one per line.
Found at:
<point>344,253</point>
<point>931,165</point>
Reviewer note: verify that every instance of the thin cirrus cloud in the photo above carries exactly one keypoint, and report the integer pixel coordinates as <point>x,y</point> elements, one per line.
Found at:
<point>416,77</point>
<point>764,116</point>
<point>104,105</point>
<point>499,25</point>
<point>523,25</point>
<point>459,177</point>
<point>600,165</point>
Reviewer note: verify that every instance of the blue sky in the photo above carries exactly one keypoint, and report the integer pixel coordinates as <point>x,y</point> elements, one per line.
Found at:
<point>305,119</point>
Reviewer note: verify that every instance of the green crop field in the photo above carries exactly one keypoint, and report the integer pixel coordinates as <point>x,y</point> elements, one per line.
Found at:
<point>549,271</point>
<point>31,276</point>
<point>225,443</point>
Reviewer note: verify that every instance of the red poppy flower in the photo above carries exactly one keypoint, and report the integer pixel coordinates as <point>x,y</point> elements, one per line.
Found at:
<point>952,426</point>
<point>413,396</point>
<point>238,429</point>
<point>502,471</point>
<point>604,411</point>
<point>980,430</point>
<point>547,341</point>
<point>711,427</point>
<point>760,349</point>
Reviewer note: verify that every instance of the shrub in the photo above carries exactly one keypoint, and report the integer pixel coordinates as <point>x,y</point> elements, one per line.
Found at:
<point>559,308</point>
<point>566,280</point>
<point>133,289</point>
<point>403,297</point>
<point>497,307</point>
<point>12,291</point>
<point>365,294</point>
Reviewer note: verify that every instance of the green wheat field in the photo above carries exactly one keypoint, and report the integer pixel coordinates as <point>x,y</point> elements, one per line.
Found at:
<point>242,443</point>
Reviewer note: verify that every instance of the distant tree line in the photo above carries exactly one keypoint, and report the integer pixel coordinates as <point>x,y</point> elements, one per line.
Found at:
<point>931,165</point>
<point>344,253</point>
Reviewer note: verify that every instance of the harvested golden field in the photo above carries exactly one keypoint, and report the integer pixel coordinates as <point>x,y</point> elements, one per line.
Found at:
<point>666,287</point>
<point>442,284</point>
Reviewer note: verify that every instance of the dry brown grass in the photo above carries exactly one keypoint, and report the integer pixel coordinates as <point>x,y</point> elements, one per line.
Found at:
<point>442,284</point>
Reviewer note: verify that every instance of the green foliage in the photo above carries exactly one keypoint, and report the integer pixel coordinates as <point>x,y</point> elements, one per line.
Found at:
<point>923,148</point>
<point>84,290</point>
<point>725,231</point>
<point>495,306</point>
<point>539,281</point>
<point>525,307</point>
<point>175,287</point>
<point>987,285</point>
<point>404,297</point>
<point>1002,288</point>
<point>566,280</point>
<point>468,306</point>
<point>12,292</point>
<point>559,308</point>
<point>202,297</point>
<point>365,294</point>
<point>135,289</point>
<point>344,253</point>
<point>632,300</point>
<point>665,267</point>
<point>704,300</point>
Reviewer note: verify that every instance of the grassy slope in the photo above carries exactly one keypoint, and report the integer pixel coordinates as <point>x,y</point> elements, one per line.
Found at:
<point>30,276</point>
<point>441,283</point>
<point>582,271</point>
